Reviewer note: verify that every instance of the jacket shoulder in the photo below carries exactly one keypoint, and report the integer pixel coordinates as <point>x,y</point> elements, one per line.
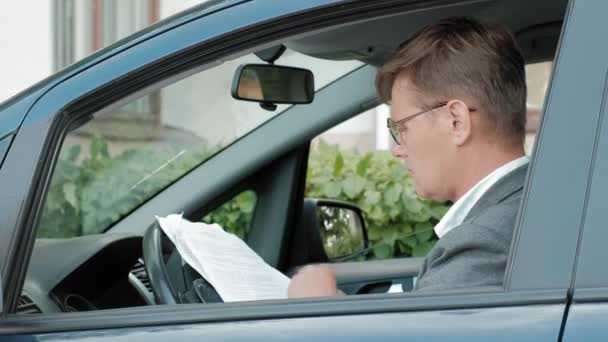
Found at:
<point>473,254</point>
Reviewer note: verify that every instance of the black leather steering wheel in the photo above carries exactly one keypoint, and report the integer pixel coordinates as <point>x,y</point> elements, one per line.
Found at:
<point>197,290</point>
<point>155,266</point>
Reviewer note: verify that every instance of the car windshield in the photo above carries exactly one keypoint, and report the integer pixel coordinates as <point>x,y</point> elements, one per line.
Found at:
<point>131,151</point>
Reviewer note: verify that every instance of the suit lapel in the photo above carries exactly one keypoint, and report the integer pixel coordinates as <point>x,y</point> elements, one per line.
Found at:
<point>504,188</point>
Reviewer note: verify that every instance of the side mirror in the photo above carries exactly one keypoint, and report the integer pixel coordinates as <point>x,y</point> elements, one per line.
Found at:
<point>342,229</point>
<point>273,84</point>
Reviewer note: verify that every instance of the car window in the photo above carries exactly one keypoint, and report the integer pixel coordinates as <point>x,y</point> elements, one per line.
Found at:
<point>235,215</point>
<point>127,154</point>
<point>537,79</point>
<point>352,162</point>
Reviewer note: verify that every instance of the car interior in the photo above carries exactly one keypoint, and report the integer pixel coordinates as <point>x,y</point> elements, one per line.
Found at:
<point>114,269</point>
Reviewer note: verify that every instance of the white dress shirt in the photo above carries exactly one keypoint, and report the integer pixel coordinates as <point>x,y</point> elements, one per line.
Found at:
<point>460,209</point>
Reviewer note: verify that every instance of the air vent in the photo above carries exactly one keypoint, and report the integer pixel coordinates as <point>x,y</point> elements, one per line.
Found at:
<point>27,306</point>
<point>139,272</point>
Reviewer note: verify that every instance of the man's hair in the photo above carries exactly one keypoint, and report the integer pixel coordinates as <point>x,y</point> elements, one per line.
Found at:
<point>461,57</point>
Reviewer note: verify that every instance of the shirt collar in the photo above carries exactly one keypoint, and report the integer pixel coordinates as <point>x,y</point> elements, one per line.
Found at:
<point>459,210</point>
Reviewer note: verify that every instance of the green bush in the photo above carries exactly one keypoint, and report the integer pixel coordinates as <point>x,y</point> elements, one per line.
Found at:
<point>235,215</point>
<point>87,194</point>
<point>399,223</point>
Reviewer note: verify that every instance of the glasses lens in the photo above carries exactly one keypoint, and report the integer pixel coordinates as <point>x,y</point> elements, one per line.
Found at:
<point>393,130</point>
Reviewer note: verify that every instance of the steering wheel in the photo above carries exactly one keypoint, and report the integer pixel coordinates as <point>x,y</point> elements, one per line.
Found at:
<point>197,290</point>
<point>155,266</point>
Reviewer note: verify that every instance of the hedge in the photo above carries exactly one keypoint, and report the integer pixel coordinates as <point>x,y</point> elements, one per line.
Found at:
<point>89,193</point>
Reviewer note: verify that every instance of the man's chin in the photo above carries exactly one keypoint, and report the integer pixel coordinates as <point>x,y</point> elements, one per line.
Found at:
<point>421,193</point>
<point>430,196</point>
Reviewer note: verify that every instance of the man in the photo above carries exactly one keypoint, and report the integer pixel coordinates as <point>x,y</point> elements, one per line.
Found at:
<point>458,113</point>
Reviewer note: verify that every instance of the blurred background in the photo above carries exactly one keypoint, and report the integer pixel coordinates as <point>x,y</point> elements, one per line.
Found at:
<point>40,37</point>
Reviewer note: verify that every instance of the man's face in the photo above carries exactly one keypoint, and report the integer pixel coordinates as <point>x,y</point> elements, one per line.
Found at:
<point>424,143</point>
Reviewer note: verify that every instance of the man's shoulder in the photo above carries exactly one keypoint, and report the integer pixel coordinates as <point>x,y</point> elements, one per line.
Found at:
<point>499,218</point>
<point>493,225</point>
<point>506,189</point>
<point>475,253</point>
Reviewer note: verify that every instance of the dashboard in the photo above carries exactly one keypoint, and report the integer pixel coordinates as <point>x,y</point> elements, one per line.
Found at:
<point>92,272</point>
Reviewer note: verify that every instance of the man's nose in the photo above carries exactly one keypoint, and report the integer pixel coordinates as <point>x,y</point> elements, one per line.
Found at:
<point>398,150</point>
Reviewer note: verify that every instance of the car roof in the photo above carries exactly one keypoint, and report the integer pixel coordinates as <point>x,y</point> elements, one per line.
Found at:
<point>535,24</point>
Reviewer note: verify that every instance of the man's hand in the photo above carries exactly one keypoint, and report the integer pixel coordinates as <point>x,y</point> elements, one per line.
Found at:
<point>314,281</point>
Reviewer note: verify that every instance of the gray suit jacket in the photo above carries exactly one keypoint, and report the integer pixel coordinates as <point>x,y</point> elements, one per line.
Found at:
<point>475,253</point>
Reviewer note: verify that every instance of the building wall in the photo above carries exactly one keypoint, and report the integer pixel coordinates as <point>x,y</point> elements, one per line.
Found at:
<point>25,37</point>
<point>171,7</point>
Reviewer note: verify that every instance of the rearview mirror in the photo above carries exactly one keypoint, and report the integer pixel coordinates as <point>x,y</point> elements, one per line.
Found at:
<point>342,229</point>
<point>273,84</point>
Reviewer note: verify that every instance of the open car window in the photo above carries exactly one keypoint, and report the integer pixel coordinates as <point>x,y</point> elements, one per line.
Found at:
<point>352,162</point>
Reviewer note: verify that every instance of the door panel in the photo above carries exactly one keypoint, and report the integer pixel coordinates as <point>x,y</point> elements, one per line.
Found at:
<point>559,172</point>
<point>377,276</point>
<point>586,322</point>
<point>526,323</point>
<point>587,316</point>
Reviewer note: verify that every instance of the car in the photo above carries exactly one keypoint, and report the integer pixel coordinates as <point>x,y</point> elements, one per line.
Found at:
<point>79,245</point>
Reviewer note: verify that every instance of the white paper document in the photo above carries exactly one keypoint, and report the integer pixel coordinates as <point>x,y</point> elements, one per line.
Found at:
<point>236,272</point>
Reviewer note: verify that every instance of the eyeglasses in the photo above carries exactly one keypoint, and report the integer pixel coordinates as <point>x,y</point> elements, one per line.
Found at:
<point>396,127</point>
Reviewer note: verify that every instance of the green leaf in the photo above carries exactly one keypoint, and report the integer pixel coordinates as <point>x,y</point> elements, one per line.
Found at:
<point>246,201</point>
<point>406,229</point>
<point>393,194</point>
<point>424,231</point>
<point>372,197</point>
<point>410,241</point>
<point>404,249</point>
<point>332,189</point>
<point>376,214</point>
<point>412,205</point>
<point>73,153</point>
<point>363,164</point>
<point>439,211</point>
<point>409,192</point>
<point>383,251</point>
<point>422,249</point>
<point>375,234</point>
<point>98,147</point>
<point>95,147</point>
<point>103,148</point>
<point>397,171</point>
<point>394,212</point>
<point>353,186</point>
<point>390,235</point>
<point>338,164</point>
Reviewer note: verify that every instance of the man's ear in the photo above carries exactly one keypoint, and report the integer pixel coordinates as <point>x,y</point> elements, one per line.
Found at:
<point>459,121</point>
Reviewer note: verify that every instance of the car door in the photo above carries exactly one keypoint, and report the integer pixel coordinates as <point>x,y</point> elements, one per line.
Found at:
<point>590,282</point>
<point>532,303</point>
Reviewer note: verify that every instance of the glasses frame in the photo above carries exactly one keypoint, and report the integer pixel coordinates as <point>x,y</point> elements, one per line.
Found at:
<point>396,127</point>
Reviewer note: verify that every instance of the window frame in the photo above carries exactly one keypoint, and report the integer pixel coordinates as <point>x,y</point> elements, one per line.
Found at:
<point>45,136</point>
<point>588,282</point>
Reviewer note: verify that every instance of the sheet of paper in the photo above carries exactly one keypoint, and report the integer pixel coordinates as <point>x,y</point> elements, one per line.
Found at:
<point>224,260</point>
